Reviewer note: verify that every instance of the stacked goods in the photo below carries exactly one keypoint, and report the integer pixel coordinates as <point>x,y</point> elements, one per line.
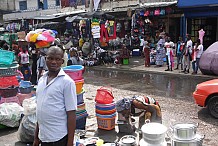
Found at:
<point>75,72</point>
<point>105,109</point>
<point>25,90</point>
<point>8,80</point>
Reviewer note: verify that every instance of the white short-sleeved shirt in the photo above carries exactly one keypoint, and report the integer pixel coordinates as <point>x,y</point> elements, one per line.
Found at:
<point>53,101</point>
<point>199,51</point>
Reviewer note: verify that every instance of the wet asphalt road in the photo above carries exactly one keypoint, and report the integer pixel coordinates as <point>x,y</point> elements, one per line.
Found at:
<point>174,93</point>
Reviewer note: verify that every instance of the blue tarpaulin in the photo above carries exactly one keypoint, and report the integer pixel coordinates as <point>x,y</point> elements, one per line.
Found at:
<point>196,3</point>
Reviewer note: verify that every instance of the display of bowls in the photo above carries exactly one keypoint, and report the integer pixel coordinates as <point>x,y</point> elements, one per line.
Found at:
<point>154,133</point>
<point>184,131</point>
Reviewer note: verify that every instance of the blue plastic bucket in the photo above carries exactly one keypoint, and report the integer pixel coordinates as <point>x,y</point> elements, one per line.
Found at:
<point>105,106</point>
<point>80,99</point>
<point>73,68</point>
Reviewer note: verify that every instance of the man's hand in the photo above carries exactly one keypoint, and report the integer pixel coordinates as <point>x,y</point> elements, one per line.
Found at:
<point>36,142</point>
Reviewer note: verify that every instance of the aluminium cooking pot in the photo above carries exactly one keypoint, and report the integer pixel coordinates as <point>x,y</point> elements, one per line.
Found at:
<point>154,133</point>
<point>185,131</point>
<point>197,141</point>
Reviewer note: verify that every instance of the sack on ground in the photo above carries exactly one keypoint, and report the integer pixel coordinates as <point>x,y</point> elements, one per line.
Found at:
<point>26,129</point>
<point>29,106</point>
<point>10,114</point>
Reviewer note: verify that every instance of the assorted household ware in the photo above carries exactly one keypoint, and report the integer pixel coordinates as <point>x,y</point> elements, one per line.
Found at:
<point>105,108</point>
<point>75,72</point>
<point>8,85</point>
<point>185,134</point>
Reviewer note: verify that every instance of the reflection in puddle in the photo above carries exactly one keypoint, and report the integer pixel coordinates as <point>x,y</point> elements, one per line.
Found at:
<point>155,84</point>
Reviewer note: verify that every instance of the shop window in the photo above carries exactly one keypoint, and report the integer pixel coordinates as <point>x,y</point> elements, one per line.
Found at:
<point>23,5</point>
<point>57,2</point>
<point>208,25</point>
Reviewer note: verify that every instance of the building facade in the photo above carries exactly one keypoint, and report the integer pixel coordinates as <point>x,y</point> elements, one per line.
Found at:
<point>200,15</point>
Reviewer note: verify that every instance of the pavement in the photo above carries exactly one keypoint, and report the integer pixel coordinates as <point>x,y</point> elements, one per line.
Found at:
<point>136,64</point>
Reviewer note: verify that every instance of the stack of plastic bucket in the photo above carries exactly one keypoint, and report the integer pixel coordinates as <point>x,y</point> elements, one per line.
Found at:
<point>105,109</point>
<point>106,115</point>
<point>76,73</point>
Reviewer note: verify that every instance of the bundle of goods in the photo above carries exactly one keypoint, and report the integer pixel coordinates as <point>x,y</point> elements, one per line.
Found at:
<point>75,72</point>
<point>105,109</point>
<point>42,38</point>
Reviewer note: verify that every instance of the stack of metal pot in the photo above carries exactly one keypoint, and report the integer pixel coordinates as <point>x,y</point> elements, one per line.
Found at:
<point>185,135</point>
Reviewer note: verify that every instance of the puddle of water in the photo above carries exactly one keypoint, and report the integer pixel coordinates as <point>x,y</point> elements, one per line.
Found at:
<point>155,84</point>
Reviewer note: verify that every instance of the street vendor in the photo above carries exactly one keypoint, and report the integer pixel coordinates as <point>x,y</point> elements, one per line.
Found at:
<point>144,107</point>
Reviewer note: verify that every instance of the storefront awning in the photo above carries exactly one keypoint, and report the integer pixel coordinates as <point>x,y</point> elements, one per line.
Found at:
<point>201,12</point>
<point>196,3</point>
<point>157,4</point>
<point>58,15</point>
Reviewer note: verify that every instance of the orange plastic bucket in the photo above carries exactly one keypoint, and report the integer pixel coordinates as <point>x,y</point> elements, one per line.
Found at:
<point>79,86</point>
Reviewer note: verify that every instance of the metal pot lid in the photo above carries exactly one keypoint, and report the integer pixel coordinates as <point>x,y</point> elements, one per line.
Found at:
<point>153,128</point>
<point>184,126</point>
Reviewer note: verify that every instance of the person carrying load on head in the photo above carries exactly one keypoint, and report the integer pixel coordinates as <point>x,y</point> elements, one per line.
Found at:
<point>144,107</point>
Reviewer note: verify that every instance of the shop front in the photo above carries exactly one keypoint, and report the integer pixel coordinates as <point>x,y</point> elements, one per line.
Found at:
<point>201,20</point>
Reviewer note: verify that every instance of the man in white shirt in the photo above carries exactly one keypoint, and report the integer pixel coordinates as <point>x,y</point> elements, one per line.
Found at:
<point>56,104</point>
<point>199,51</point>
<point>169,45</point>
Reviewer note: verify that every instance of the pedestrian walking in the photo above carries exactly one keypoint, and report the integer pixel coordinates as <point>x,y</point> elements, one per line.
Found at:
<point>187,54</point>
<point>179,53</point>
<point>198,51</point>
<point>56,104</point>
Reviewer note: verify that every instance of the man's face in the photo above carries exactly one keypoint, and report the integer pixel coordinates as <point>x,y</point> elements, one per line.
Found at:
<point>54,61</point>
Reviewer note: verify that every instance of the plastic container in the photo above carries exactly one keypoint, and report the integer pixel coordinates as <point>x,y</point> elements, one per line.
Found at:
<point>106,116</point>
<point>26,90</point>
<point>105,107</point>
<point>6,57</point>
<point>80,97</point>
<point>105,112</point>
<point>79,85</point>
<point>8,92</point>
<point>81,122</point>
<point>25,84</point>
<point>9,71</point>
<point>125,61</point>
<point>74,71</point>
<point>106,123</point>
<point>104,95</point>
<point>8,81</point>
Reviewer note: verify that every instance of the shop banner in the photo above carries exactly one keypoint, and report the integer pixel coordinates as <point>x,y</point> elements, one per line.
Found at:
<point>96,3</point>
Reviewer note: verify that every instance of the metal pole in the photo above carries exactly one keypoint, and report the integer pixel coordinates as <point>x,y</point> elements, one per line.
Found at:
<point>91,6</point>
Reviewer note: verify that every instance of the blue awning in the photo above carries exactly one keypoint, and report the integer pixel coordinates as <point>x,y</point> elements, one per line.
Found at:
<point>196,3</point>
<point>201,12</point>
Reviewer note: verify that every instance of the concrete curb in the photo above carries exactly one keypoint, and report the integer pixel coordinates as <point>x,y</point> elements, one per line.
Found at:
<point>182,75</point>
